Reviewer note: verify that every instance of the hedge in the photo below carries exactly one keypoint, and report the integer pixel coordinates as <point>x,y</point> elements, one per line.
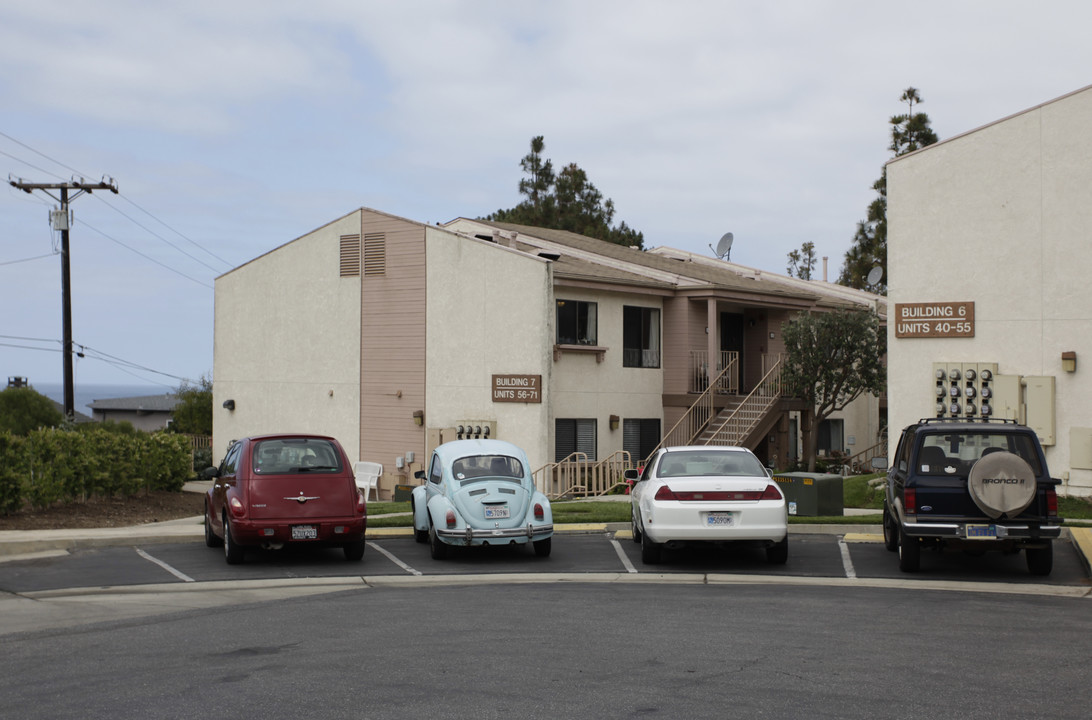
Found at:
<point>52,466</point>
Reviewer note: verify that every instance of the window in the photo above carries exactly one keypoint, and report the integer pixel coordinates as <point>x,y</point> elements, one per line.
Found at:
<point>577,322</point>
<point>574,436</point>
<point>436,474</point>
<point>640,337</point>
<point>830,436</point>
<point>640,436</point>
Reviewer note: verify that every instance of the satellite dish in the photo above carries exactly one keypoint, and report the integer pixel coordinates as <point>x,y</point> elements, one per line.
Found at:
<point>724,247</point>
<point>875,275</point>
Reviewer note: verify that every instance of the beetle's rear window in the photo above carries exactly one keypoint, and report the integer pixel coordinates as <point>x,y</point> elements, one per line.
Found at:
<point>295,456</point>
<point>502,467</point>
<point>953,453</point>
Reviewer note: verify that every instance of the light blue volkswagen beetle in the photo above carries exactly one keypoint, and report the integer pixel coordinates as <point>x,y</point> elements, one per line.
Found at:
<point>480,492</point>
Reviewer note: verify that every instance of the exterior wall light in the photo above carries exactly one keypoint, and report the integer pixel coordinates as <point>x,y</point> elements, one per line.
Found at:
<point>418,417</point>
<point>614,420</point>
<point>229,405</point>
<point>1069,361</point>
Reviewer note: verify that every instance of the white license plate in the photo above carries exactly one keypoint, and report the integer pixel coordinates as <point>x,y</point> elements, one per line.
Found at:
<point>304,532</point>
<point>496,512</point>
<point>981,532</point>
<point>720,519</point>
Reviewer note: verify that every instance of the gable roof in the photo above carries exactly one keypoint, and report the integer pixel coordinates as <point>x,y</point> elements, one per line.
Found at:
<point>143,403</point>
<point>678,270</point>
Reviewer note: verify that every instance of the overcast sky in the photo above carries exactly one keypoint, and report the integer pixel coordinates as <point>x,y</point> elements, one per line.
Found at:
<point>232,127</point>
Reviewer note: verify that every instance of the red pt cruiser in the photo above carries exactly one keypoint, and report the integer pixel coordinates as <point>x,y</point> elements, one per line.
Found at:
<point>271,490</point>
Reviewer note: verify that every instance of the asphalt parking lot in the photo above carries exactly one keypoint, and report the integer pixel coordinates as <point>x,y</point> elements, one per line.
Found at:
<point>811,556</point>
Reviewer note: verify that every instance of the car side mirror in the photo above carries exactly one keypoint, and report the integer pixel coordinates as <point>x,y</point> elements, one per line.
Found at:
<point>419,475</point>
<point>210,472</point>
<point>879,463</point>
<point>631,474</point>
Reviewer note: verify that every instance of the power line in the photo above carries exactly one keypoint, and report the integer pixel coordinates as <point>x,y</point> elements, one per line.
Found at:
<point>147,257</point>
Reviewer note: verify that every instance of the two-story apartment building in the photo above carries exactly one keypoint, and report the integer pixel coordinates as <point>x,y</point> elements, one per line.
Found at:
<point>394,336</point>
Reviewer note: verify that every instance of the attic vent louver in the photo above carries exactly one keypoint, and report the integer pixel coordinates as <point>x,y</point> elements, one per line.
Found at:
<point>375,254</point>
<point>350,255</point>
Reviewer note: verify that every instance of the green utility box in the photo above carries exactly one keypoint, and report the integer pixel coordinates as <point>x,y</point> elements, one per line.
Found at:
<point>811,494</point>
<point>402,493</point>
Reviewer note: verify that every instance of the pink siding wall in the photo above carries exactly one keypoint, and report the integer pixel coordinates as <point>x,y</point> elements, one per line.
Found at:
<point>392,348</point>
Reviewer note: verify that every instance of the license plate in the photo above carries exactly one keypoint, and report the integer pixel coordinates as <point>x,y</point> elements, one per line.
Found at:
<point>981,532</point>
<point>719,519</point>
<point>496,512</point>
<point>304,532</point>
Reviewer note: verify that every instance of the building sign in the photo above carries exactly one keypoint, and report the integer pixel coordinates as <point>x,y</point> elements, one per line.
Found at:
<point>934,320</point>
<point>517,388</point>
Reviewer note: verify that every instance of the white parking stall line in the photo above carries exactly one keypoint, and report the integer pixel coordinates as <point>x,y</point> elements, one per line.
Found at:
<point>394,560</point>
<point>846,562</point>
<point>180,575</point>
<point>622,556</point>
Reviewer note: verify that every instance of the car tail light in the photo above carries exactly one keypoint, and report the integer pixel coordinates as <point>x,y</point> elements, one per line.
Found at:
<point>910,501</point>
<point>361,503</point>
<point>237,508</point>
<point>665,493</point>
<point>539,512</point>
<point>451,518</point>
<point>1052,502</point>
<point>772,492</point>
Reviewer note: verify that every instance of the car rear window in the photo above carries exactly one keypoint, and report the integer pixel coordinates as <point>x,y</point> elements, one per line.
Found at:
<point>295,456</point>
<point>502,467</point>
<point>943,453</point>
<point>709,464</point>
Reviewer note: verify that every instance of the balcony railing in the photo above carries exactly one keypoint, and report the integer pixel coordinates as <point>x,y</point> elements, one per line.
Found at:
<point>725,383</point>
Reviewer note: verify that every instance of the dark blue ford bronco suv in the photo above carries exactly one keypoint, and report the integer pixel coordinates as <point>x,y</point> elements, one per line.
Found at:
<point>979,484</point>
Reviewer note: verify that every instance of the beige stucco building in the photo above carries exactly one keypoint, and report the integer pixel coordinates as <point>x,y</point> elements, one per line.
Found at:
<point>394,336</point>
<point>989,261</point>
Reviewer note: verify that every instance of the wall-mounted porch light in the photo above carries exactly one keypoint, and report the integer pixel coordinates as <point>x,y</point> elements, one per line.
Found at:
<point>229,405</point>
<point>418,417</point>
<point>614,420</point>
<point>1069,361</point>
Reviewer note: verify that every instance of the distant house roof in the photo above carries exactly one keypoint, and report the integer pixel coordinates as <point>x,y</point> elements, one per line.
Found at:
<point>141,404</point>
<point>80,417</point>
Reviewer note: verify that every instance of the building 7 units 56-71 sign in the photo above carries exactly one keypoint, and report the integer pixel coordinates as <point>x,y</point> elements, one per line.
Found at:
<point>934,320</point>
<point>517,388</point>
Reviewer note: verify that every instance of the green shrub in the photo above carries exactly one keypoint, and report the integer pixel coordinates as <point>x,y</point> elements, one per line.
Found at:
<point>12,470</point>
<point>66,466</point>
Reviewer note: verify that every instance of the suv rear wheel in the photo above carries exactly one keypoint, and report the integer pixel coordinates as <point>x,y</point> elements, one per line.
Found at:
<point>909,552</point>
<point>1040,560</point>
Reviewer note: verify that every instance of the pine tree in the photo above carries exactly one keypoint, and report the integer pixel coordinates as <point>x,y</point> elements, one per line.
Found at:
<point>909,132</point>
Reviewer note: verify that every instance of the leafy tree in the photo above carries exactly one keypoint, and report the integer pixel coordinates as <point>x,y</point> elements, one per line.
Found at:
<point>193,413</point>
<point>23,409</point>
<point>909,132</point>
<point>832,359</point>
<point>564,201</point>
<point>802,261</point>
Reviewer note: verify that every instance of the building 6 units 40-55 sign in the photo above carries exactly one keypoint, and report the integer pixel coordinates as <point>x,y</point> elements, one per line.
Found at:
<point>934,320</point>
<point>517,388</point>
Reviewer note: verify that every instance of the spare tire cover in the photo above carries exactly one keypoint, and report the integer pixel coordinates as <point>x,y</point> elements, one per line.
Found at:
<point>1002,483</point>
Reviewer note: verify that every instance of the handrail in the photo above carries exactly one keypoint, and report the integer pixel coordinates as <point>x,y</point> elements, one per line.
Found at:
<point>576,475</point>
<point>701,409</point>
<point>749,412</point>
<point>856,461</point>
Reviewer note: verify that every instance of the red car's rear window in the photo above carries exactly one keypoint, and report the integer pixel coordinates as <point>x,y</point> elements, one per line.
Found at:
<point>291,456</point>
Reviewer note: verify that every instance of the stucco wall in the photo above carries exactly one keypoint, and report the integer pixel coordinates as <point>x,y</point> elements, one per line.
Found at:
<point>488,311</point>
<point>999,216</point>
<point>586,388</point>
<point>287,342</point>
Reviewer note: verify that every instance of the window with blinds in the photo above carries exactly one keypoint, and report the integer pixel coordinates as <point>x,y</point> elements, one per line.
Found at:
<point>574,435</point>
<point>350,255</point>
<point>375,254</point>
<point>640,436</point>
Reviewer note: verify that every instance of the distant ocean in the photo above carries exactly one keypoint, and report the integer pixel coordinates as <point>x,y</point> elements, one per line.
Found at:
<point>84,395</point>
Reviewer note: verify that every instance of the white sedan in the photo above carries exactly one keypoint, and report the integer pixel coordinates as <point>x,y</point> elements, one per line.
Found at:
<point>704,494</point>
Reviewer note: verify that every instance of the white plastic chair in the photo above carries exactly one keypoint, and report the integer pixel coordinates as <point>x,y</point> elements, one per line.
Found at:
<point>367,477</point>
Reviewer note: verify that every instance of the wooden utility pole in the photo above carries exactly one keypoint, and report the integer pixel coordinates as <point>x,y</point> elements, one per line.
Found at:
<point>60,220</point>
